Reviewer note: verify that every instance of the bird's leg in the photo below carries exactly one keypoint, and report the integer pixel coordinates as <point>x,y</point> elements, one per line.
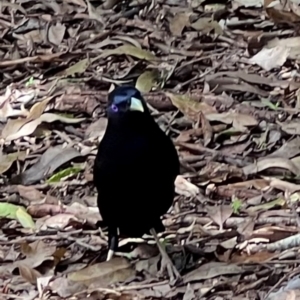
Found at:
<point>166,262</point>
<point>112,241</point>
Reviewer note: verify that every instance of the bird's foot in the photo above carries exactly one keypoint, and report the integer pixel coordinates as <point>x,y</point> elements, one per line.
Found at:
<point>167,265</point>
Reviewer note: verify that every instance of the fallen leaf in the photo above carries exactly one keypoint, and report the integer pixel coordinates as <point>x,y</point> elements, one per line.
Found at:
<point>30,193</point>
<point>6,160</point>
<point>42,210</point>
<point>52,159</point>
<point>24,218</point>
<point>11,211</point>
<point>56,33</point>
<point>211,270</point>
<point>293,43</point>
<point>239,121</point>
<point>179,22</point>
<point>29,274</point>
<point>11,132</point>
<point>185,188</point>
<point>272,58</point>
<point>96,129</point>
<point>147,80</point>
<point>206,25</point>
<point>266,163</point>
<point>190,107</point>
<point>130,50</point>
<point>59,221</point>
<point>207,130</point>
<point>104,274</point>
<point>65,174</point>
<point>65,287</point>
<point>220,214</point>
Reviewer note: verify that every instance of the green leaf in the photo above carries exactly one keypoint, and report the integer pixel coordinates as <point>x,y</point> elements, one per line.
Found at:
<point>11,211</point>
<point>236,205</point>
<point>147,80</point>
<point>8,210</point>
<point>130,50</point>
<point>24,218</point>
<point>61,175</point>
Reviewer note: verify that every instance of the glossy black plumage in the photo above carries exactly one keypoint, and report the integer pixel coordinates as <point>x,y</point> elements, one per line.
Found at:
<point>135,169</point>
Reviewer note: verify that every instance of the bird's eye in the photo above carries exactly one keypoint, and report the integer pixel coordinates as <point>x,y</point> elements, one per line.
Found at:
<point>114,108</point>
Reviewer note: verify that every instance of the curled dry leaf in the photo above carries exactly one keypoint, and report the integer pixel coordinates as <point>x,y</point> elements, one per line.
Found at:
<point>185,188</point>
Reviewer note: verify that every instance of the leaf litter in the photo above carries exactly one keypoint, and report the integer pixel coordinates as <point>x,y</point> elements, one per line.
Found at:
<point>221,79</point>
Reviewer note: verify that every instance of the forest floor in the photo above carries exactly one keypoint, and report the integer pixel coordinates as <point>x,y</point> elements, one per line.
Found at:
<point>221,79</point>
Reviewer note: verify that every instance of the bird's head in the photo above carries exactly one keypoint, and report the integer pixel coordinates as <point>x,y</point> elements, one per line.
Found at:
<point>126,101</point>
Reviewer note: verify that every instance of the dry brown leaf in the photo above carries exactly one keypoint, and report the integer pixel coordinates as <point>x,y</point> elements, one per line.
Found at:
<point>65,287</point>
<point>206,25</point>
<point>220,214</point>
<point>284,185</point>
<point>96,129</point>
<point>211,270</point>
<point>42,210</point>
<point>291,127</point>
<point>29,274</point>
<point>207,129</point>
<point>272,58</point>
<point>56,33</point>
<point>6,160</point>
<point>190,107</point>
<point>52,159</point>
<point>104,274</point>
<point>266,163</point>
<point>11,132</point>
<point>288,149</point>
<point>293,43</point>
<point>179,22</point>
<point>30,193</point>
<point>185,188</point>
<point>130,50</point>
<point>59,221</point>
<point>238,121</point>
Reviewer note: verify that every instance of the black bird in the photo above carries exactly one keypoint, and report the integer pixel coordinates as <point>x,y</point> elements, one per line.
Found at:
<point>134,172</point>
